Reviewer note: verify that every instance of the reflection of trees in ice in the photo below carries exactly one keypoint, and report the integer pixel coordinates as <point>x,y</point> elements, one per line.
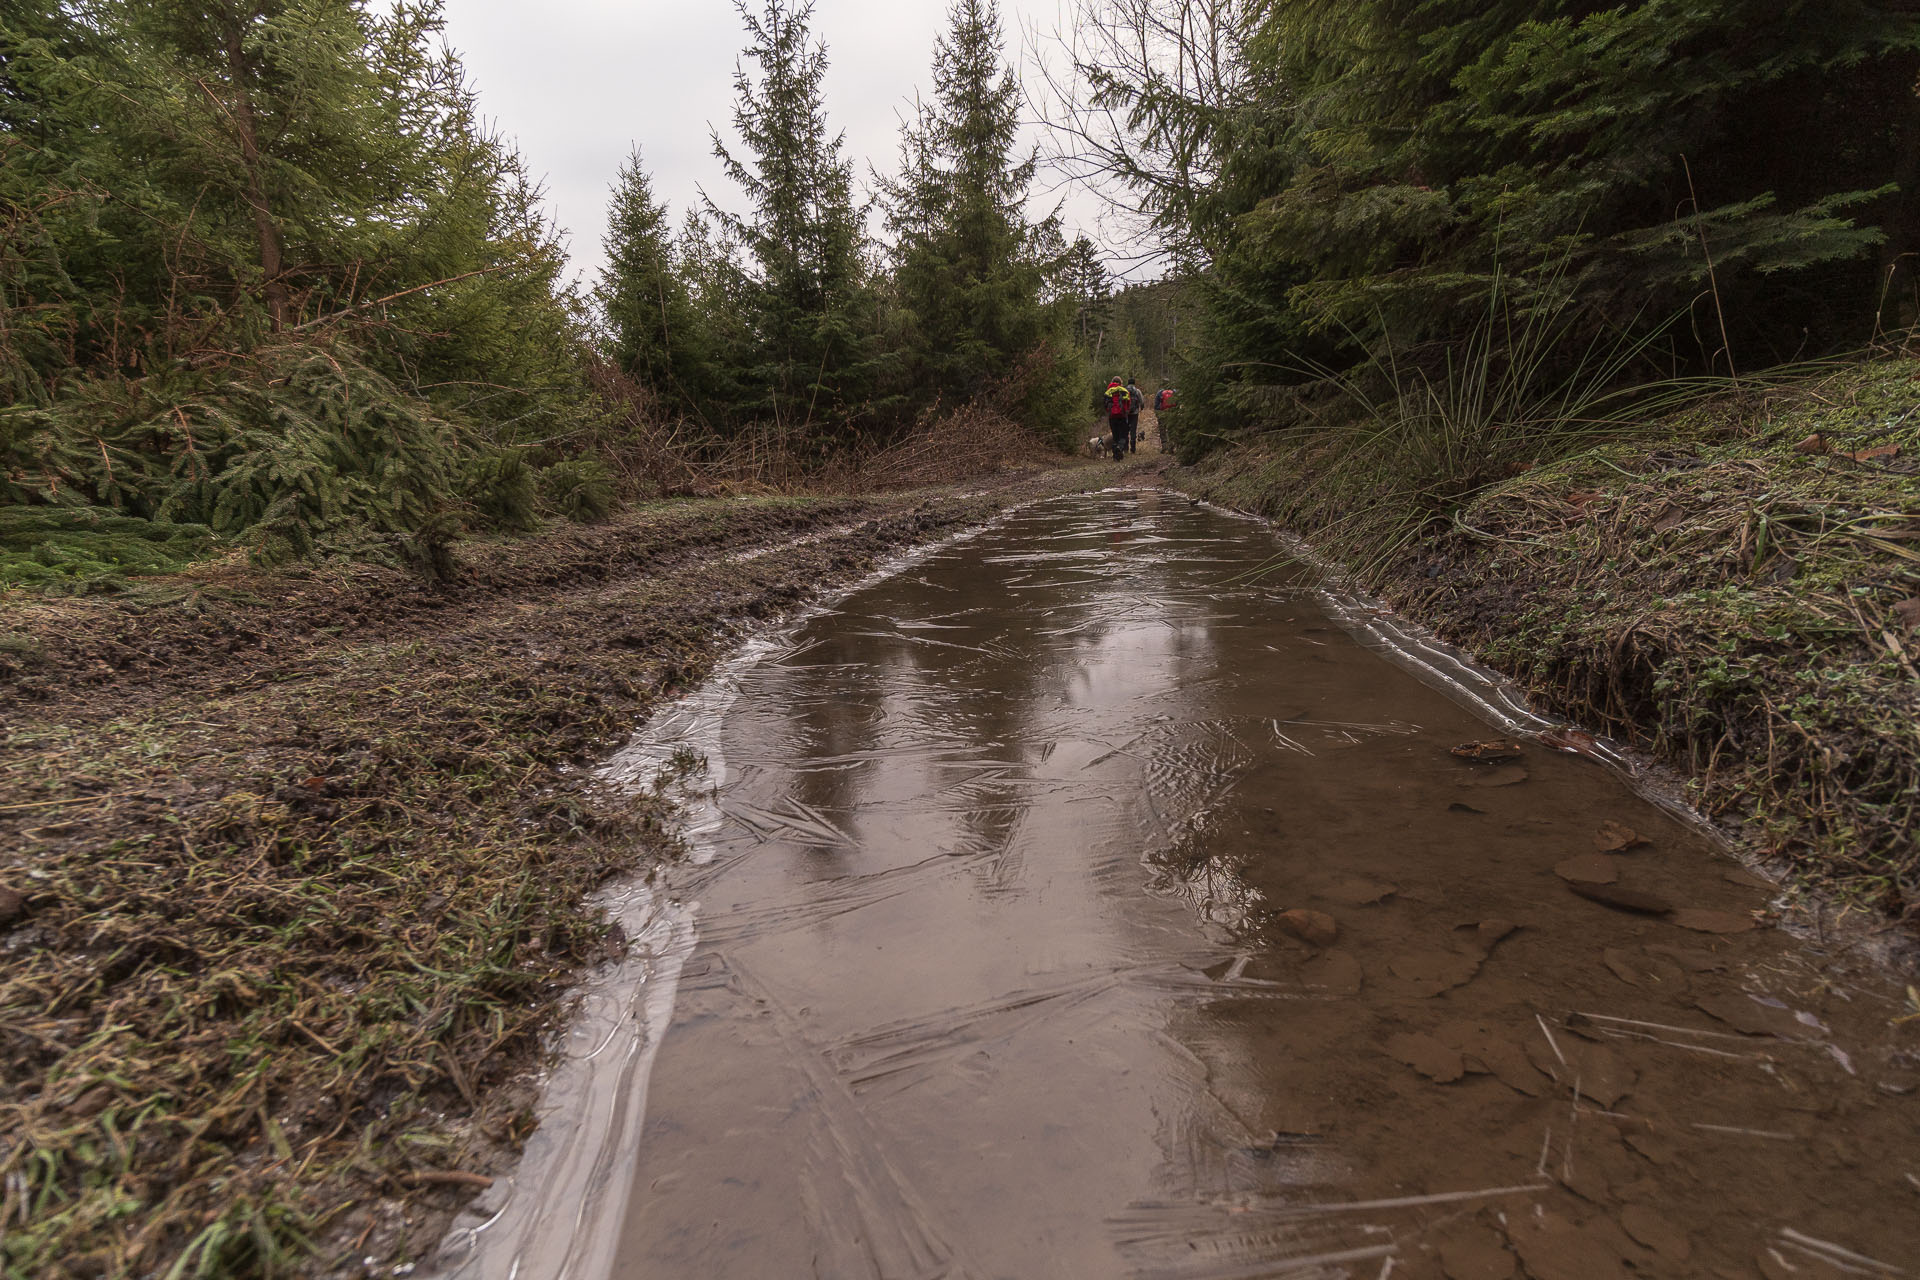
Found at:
<point>1192,770</point>
<point>1187,868</point>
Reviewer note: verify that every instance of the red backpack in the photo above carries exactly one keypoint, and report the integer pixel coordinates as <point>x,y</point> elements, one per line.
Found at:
<point>1116,401</point>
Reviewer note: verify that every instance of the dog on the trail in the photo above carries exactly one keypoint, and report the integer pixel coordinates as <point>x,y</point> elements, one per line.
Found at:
<point>1099,446</point>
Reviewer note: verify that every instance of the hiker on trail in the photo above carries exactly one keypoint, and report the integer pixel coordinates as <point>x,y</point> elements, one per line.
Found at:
<point>1119,402</point>
<point>1135,398</point>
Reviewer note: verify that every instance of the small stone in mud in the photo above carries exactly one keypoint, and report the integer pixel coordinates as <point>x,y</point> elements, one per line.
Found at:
<point>1657,1233</point>
<point>1428,1056</point>
<point>1316,927</point>
<point>1614,837</point>
<point>1588,868</point>
<point>1702,921</point>
<point>1611,895</point>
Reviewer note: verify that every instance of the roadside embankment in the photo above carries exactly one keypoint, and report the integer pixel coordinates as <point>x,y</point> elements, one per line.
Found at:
<point>1735,590</point>
<point>293,870</point>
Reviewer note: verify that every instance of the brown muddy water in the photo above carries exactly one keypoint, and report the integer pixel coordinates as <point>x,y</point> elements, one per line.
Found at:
<point>1083,901</point>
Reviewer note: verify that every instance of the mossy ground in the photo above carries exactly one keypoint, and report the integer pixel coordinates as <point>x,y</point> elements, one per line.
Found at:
<point>1719,587</point>
<point>295,869</point>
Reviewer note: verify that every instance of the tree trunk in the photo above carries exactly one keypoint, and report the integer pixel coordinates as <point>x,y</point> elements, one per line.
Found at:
<point>274,289</point>
<point>1899,307</point>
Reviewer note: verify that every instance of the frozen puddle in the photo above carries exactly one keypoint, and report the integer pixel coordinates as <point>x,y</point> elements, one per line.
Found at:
<point>1076,900</point>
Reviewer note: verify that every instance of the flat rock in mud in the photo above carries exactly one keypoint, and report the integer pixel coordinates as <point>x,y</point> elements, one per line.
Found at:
<point>1334,972</point>
<point>1358,892</point>
<point>1752,1017</point>
<point>1588,868</point>
<point>1657,1233</point>
<point>1486,935</point>
<point>1555,1249</point>
<point>1315,927</point>
<point>1586,1180</point>
<point>1431,972</point>
<point>1614,837</point>
<point>1701,920</point>
<point>1486,1049</point>
<point>1655,1148</point>
<point>1623,899</point>
<point>1687,958</point>
<point>1592,1070</point>
<point>1427,1055</point>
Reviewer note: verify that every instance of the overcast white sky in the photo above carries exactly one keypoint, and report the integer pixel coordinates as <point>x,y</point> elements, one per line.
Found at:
<point>576,83</point>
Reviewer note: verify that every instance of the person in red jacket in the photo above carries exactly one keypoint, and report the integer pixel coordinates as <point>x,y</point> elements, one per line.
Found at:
<point>1118,401</point>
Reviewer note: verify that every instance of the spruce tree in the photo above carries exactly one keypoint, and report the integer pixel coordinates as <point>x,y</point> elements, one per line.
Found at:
<point>651,322</point>
<point>966,265</point>
<point>807,362</point>
<point>274,115</point>
<point>1086,280</point>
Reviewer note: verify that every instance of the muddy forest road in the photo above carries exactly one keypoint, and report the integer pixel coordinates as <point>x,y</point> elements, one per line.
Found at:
<point>1082,901</point>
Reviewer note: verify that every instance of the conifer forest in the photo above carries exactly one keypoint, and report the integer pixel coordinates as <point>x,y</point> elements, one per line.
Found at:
<point>268,276</point>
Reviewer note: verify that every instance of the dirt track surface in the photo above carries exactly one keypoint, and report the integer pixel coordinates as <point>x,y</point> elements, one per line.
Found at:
<point>1084,901</point>
<point>294,867</point>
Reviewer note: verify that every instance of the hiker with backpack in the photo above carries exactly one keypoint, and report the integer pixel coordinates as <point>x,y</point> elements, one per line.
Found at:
<point>1119,401</point>
<point>1135,398</point>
